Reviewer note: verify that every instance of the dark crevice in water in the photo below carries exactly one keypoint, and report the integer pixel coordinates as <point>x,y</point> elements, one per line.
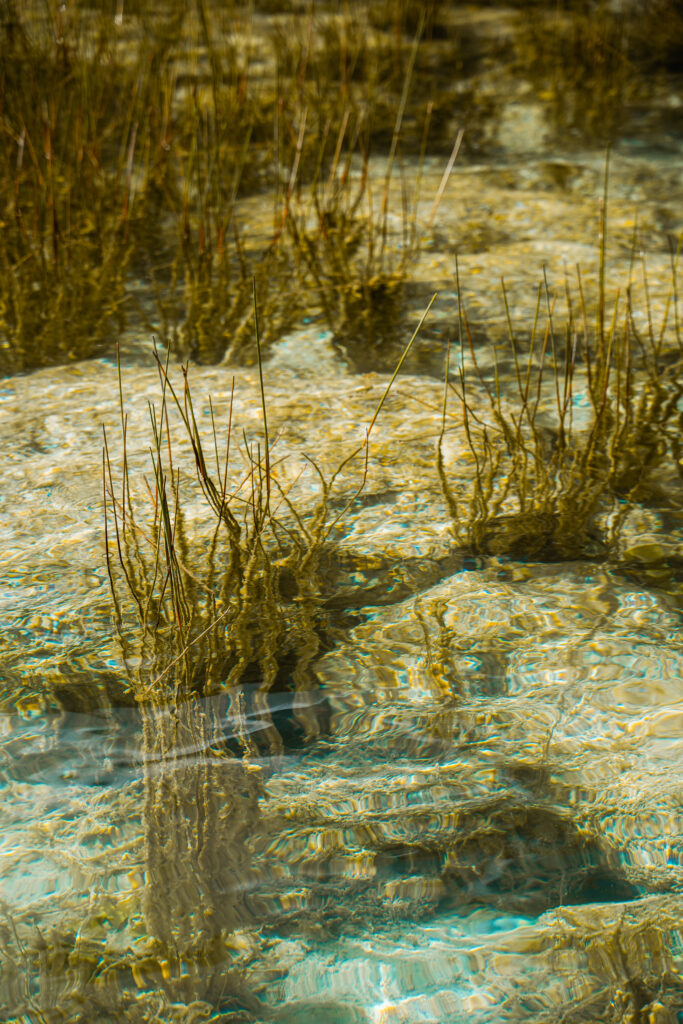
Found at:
<point>517,859</point>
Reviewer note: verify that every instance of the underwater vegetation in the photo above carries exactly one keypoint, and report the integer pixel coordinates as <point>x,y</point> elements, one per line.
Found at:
<point>632,957</point>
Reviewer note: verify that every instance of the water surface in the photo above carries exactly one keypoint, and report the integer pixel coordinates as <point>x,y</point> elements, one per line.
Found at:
<point>474,813</point>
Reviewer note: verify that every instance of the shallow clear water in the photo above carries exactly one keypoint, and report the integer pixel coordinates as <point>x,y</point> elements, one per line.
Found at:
<point>496,777</point>
<point>484,823</point>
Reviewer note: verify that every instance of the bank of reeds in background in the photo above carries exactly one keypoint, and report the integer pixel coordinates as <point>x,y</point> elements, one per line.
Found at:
<point>114,169</point>
<point>596,64</point>
<point>588,430</point>
<point>133,141</point>
<point>129,147</point>
<point>140,151</point>
<point>64,248</point>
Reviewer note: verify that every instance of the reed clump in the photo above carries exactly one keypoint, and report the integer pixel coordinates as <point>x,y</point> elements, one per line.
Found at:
<point>598,63</point>
<point>215,618</point>
<point>123,155</point>
<point>204,302</point>
<point>358,284</point>
<point>205,313</point>
<point>354,255</point>
<point>64,247</point>
<point>211,624</point>
<point>232,605</point>
<point>210,612</point>
<point>230,143</point>
<point>594,420</point>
